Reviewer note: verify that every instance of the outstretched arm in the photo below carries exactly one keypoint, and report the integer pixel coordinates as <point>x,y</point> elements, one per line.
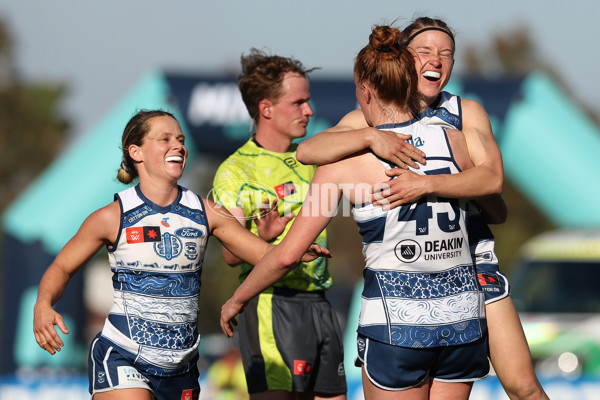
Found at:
<point>314,216</point>
<point>242,243</point>
<point>352,134</point>
<point>96,231</point>
<point>268,223</point>
<point>237,241</point>
<point>231,259</point>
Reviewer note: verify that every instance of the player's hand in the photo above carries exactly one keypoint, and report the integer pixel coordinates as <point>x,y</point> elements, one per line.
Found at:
<point>229,311</point>
<point>269,223</point>
<point>407,187</point>
<point>315,251</point>
<point>44,319</point>
<point>393,147</point>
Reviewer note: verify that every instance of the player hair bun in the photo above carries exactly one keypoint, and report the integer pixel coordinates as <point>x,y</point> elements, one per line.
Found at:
<point>385,39</point>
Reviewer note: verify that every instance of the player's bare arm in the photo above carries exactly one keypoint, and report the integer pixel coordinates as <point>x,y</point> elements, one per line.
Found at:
<point>352,134</point>
<point>244,244</point>
<point>475,181</point>
<point>99,229</point>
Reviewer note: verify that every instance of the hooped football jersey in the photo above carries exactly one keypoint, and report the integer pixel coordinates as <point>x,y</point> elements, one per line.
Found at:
<point>420,285</point>
<point>156,265</point>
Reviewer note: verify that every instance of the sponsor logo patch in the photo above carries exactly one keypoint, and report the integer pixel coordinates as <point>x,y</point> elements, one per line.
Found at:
<point>417,141</point>
<point>189,232</point>
<point>484,257</point>
<point>129,375</point>
<point>408,251</point>
<point>301,367</point>
<point>141,234</point>
<point>341,370</point>
<point>488,279</point>
<point>188,394</point>
<point>285,189</point>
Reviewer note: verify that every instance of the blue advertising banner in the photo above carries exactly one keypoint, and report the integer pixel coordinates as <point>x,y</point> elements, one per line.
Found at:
<point>218,121</point>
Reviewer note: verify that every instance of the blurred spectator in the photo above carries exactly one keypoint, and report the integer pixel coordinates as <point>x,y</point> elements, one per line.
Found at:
<point>225,379</point>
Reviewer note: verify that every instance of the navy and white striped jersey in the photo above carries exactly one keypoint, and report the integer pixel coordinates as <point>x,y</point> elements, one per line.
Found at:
<point>446,112</point>
<point>420,285</point>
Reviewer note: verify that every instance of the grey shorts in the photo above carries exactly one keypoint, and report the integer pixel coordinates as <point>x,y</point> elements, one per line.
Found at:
<point>291,340</point>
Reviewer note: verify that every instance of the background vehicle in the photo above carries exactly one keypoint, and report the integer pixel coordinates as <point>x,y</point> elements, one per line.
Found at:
<point>556,289</point>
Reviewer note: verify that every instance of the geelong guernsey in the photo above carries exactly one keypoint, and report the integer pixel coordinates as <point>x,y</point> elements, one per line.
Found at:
<point>251,175</point>
<point>156,264</point>
<point>446,112</point>
<point>420,286</point>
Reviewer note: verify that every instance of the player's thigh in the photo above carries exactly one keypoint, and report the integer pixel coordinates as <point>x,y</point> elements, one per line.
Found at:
<point>509,351</point>
<point>450,390</point>
<point>373,392</point>
<point>125,394</point>
<point>273,395</point>
<point>327,397</point>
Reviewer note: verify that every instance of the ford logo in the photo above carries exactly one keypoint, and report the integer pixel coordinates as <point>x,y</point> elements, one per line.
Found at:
<point>189,232</point>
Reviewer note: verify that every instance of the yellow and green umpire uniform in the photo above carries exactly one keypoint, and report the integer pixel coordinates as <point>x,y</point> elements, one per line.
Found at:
<point>289,335</point>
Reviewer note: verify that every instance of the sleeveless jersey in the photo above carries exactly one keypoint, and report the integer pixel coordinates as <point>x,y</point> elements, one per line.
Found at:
<point>156,264</point>
<point>253,174</point>
<point>420,286</point>
<point>446,112</point>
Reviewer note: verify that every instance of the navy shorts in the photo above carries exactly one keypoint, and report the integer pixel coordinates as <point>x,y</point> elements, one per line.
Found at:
<point>291,340</point>
<point>398,368</point>
<point>493,283</point>
<point>109,370</point>
<point>481,240</point>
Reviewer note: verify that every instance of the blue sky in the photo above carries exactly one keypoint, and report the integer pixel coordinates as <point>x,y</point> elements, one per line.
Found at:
<point>100,49</point>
